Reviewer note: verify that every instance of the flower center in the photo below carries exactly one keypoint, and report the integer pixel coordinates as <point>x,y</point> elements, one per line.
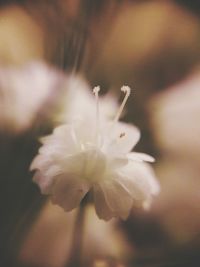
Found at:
<point>94,165</point>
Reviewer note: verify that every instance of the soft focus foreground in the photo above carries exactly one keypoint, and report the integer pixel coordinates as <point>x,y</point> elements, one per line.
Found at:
<point>153,46</point>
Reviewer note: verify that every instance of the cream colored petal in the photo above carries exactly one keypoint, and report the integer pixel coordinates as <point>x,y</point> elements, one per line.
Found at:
<point>143,177</point>
<point>121,137</point>
<point>86,130</point>
<point>63,140</point>
<point>135,191</point>
<point>117,162</point>
<point>101,206</point>
<point>136,156</point>
<point>38,162</point>
<point>44,182</point>
<point>117,197</point>
<point>68,191</point>
<point>41,162</point>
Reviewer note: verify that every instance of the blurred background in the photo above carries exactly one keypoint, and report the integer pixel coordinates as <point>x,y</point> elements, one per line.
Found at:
<point>152,46</point>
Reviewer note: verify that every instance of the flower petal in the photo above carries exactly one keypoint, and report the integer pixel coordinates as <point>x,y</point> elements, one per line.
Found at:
<point>63,140</point>
<point>132,187</point>
<point>101,206</point>
<point>68,191</point>
<point>142,176</point>
<point>121,137</point>
<point>45,182</point>
<point>136,156</point>
<point>117,197</point>
<point>140,181</point>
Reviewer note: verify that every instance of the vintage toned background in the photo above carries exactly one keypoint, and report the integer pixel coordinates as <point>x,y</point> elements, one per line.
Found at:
<point>152,46</point>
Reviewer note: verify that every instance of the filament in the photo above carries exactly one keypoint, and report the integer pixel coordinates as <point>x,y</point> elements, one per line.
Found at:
<point>96,93</point>
<point>127,91</point>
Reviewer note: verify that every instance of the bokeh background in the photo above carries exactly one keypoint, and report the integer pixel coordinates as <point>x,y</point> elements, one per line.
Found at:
<point>152,46</point>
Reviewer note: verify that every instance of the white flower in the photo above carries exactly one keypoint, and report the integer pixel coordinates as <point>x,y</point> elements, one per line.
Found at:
<point>24,93</point>
<point>94,156</point>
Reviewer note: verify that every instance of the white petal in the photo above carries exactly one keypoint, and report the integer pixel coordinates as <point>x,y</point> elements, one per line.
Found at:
<point>68,191</point>
<point>41,162</point>
<point>101,206</point>
<point>63,140</point>
<point>86,130</point>
<point>121,137</point>
<point>117,197</point>
<point>46,165</point>
<point>44,182</point>
<point>135,191</point>
<point>143,176</point>
<point>118,162</point>
<point>38,162</point>
<point>140,157</point>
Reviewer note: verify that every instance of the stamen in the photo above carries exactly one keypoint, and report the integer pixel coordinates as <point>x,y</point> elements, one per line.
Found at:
<point>127,91</point>
<point>96,93</point>
<point>96,90</point>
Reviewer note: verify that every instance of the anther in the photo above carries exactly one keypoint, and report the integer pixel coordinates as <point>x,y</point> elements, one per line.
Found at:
<point>96,90</point>
<point>122,135</point>
<point>126,89</point>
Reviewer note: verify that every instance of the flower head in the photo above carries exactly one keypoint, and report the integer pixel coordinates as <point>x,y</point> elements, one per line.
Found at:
<point>94,155</point>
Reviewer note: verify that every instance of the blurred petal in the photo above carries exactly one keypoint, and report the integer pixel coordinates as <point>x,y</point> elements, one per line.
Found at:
<point>44,182</point>
<point>143,176</point>
<point>136,156</point>
<point>122,137</point>
<point>117,197</point>
<point>68,191</point>
<point>101,206</point>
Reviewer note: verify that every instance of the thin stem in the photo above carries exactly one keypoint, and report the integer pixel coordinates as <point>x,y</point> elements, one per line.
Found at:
<point>77,239</point>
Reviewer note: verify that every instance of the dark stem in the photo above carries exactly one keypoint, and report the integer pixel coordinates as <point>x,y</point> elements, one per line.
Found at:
<point>75,257</point>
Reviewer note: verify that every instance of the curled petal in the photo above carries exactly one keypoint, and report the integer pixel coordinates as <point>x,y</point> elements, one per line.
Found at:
<point>140,157</point>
